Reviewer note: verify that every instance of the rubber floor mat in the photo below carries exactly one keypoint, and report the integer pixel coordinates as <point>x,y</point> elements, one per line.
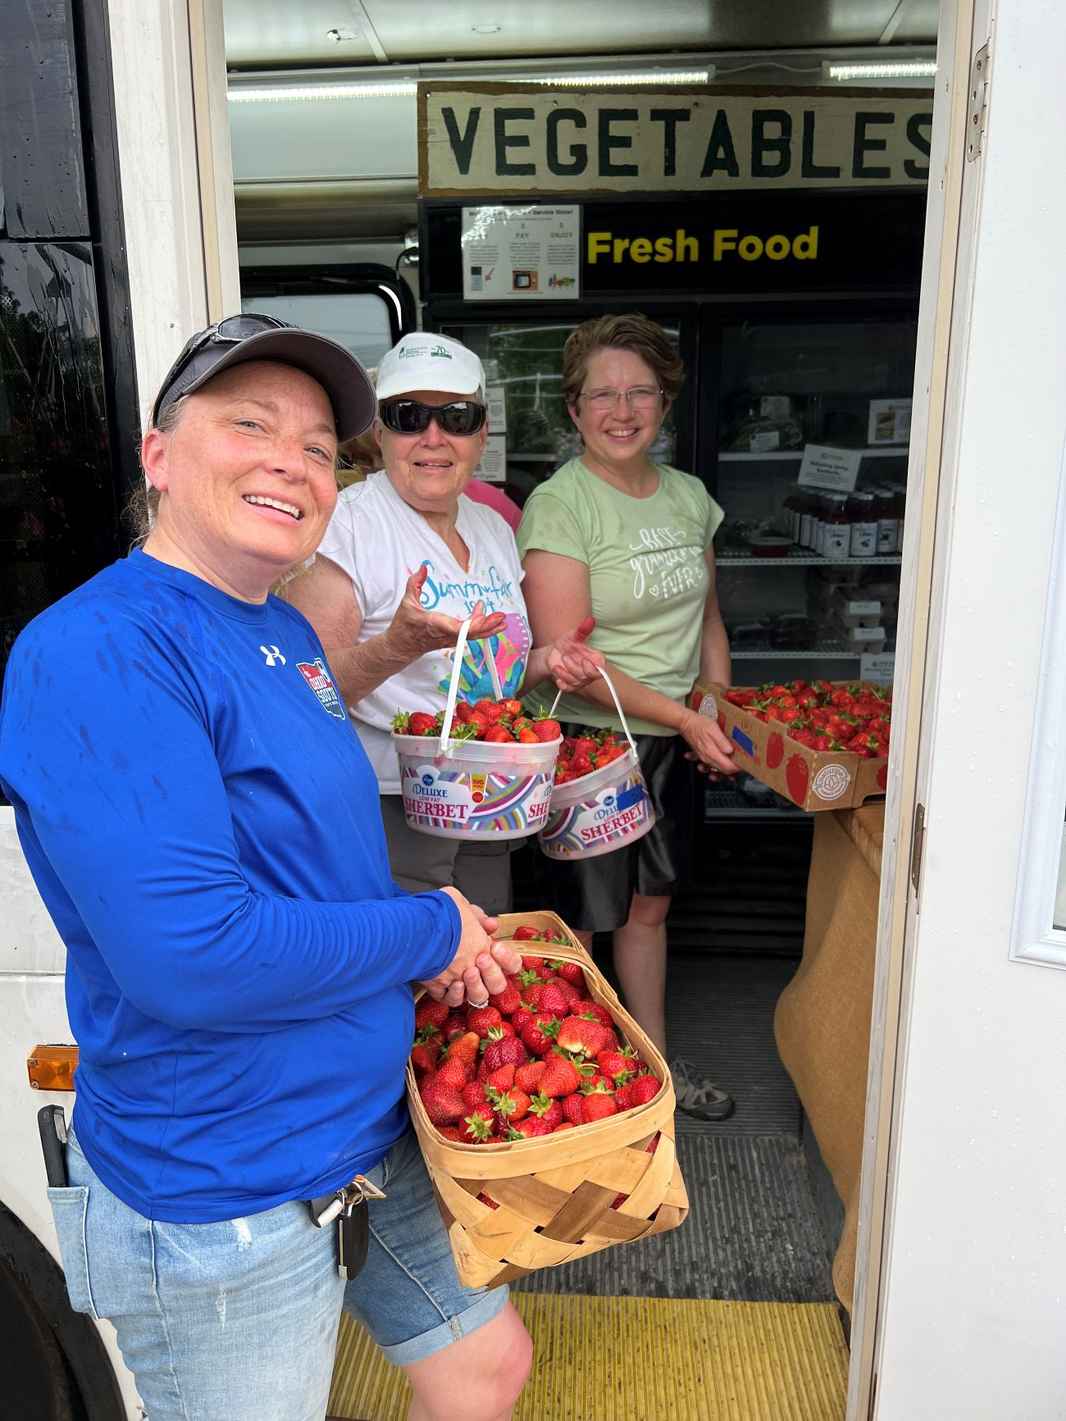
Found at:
<point>642,1359</point>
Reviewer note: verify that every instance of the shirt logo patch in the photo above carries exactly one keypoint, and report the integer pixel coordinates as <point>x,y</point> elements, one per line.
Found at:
<point>317,677</point>
<point>273,655</point>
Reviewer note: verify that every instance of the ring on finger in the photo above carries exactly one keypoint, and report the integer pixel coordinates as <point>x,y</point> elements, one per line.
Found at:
<point>477,1005</point>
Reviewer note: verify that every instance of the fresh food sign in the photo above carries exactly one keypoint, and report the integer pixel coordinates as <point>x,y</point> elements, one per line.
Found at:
<point>524,139</point>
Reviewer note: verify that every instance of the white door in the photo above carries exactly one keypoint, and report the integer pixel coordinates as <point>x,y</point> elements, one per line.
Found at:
<point>971,1319</point>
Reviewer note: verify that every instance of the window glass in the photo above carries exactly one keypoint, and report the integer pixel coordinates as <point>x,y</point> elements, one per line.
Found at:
<point>58,522</point>
<point>358,320</point>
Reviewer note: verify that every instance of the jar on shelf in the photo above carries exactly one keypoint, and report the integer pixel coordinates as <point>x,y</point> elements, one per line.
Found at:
<point>862,512</point>
<point>808,520</point>
<point>836,527</point>
<point>790,514</point>
<point>887,522</point>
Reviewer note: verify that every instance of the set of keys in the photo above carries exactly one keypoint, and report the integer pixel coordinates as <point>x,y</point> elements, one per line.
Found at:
<point>347,1207</point>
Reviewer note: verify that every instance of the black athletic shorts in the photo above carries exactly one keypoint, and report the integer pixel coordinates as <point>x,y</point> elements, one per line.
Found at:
<point>594,894</point>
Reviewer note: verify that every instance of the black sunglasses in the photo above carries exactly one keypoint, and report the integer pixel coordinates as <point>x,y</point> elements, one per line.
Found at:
<point>412,416</point>
<point>230,331</point>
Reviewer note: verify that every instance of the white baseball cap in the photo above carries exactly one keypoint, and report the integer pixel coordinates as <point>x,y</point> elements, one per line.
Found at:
<point>423,361</point>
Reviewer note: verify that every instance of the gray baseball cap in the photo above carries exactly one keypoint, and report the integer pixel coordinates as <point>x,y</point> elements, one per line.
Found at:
<point>238,339</point>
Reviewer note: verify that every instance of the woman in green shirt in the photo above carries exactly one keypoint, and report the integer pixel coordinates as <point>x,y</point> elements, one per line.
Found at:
<point>616,536</point>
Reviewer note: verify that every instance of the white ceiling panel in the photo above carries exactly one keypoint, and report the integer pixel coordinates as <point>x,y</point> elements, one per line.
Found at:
<point>281,34</point>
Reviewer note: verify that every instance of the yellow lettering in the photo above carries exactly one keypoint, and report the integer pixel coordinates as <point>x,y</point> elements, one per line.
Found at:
<point>725,240</point>
<point>777,247</point>
<point>749,248</point>
<point>621,245</point>
<point>805,246</point>
<point>664,249</point>
<point>599,245</point>
<point>688,249</point>
<point>640,249</point>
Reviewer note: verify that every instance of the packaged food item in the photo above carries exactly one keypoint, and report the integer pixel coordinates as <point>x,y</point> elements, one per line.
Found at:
<point>769,545</point>
<point>835,540</point>
<point>864,525</point>
<point>852,610</point>
<point>887,521</point>
<point>865,640</point>
<point>889,422</point>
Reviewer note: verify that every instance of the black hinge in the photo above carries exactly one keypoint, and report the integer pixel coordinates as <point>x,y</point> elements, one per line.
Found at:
<point>873,1398</point>
<point>917,846</point>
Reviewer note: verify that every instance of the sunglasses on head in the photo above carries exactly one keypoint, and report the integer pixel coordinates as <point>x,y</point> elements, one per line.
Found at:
<point>230,331</point>
<point>412,416</point>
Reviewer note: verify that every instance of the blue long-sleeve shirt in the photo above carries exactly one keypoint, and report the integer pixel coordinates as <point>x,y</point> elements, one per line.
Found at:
<point>203,826</point>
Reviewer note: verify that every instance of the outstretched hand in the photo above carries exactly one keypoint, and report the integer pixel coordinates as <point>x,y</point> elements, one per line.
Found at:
<point>413,631</point>
<point>571,662</point>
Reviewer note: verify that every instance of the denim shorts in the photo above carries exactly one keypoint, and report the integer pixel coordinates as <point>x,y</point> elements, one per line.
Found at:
<point>239,1319</point>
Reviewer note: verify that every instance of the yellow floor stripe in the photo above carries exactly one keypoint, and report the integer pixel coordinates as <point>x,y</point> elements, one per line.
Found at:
<point>643,1359</point>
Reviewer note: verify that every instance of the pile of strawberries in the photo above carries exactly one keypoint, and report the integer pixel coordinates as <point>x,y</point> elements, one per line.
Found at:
<point>581,754</point>
<point>497,722</point>
<point>540,1058</point>
<point>823,715</point>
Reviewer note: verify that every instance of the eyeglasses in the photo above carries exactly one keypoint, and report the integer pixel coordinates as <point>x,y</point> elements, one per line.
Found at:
<point>639,397</point>
<point>459,417</point>
<point>230,331</point>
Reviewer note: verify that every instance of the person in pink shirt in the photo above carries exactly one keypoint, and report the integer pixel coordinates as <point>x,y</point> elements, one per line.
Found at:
<point>494,497</point>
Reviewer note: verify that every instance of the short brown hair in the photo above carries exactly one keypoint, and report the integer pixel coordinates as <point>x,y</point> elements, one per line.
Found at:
<point>633,332</point>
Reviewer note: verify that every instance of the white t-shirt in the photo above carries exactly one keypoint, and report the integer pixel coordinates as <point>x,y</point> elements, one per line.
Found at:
<point>379,541</point>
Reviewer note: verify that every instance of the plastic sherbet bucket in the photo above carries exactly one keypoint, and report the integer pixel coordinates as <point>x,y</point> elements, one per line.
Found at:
<point>466,789</point>
<point>602,811</point>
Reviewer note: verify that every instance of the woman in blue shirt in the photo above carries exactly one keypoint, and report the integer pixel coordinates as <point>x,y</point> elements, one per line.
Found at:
<point>203,826</point>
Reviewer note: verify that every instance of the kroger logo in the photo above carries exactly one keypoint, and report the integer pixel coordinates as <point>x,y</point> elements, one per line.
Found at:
<point>427,779</point>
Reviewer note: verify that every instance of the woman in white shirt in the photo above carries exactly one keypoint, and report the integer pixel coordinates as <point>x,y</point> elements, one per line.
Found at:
<point>405,559</point>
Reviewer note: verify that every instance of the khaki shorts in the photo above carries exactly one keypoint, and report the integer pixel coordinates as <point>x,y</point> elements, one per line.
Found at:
<point>420,862</point>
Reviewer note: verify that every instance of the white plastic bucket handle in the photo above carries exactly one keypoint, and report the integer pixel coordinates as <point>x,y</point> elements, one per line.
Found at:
<point>617,706</point>
<point>453,688</point>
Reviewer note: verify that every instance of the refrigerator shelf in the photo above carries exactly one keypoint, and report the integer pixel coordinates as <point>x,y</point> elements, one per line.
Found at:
<point>539,458</point>
<point>824,650</point>
<point>898,452</point>
<point>802,559</point>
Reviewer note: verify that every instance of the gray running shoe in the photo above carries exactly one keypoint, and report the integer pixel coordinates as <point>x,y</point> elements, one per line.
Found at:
<point>696,1095</point>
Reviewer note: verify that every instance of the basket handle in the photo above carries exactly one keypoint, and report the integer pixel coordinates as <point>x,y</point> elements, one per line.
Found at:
<point>617,706</point>
<point>453,687</point>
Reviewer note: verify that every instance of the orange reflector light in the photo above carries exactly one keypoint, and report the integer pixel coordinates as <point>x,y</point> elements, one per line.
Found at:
<point>52,1067</point>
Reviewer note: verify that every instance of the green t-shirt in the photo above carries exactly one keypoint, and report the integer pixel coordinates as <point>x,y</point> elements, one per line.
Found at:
<point>647,574</point>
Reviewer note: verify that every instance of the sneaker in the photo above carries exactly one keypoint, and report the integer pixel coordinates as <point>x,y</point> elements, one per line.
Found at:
<point>696,1095</point>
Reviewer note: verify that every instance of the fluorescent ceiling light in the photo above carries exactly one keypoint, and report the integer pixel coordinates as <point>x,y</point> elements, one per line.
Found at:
<point>287,93</point>
<point>882,69</point>
<point>404,88</point>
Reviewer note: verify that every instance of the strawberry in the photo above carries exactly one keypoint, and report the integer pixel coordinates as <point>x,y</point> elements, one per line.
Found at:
<point>528,1077</point>
<point>419,723</point>
<point>540,1035</point>
<point>479,1019</point>
<point>431,1013</point>
<point>510,706</point>
<point>484,1199</point>
<point>587,1007</point>
<point>547,729</point>
<point>454,1025</point>
<point>507,1001</point>
<point>641,1090</point>
<point>528,1128</point>
<point>473,1094</point>
<point>453,1132</point>
<point>532,994</point>
<point>498,735</point>
<point>574,1108</point>
<point>533,964</point>
<point>578,1034</point>
<point>596,1080</point>
<point>443,1103</point>
<point>464,1048</point>
<point>553,1000</point>
<point>424,1056</point>
<point>525,932</point>
<point>501,1079</point>
<point>560,1077</point>
<point>550,1111</point>
<point>569,972</point>
<point>623,1097</point>
<point>566,1125</point>
<point>597,1107</point>
<point>510,1105</point>
<point>522,1018</point>
<point>480,1126</point>
<point>454,1071</point>
<point>619,1065</point>
<point>502,1051</point>
<point>491,710</point>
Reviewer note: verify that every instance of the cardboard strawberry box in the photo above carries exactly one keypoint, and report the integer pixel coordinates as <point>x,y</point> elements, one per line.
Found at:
<point>812,779</point>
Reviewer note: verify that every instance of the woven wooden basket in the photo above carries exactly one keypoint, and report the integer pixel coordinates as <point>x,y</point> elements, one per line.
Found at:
<point>553,1195</point>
